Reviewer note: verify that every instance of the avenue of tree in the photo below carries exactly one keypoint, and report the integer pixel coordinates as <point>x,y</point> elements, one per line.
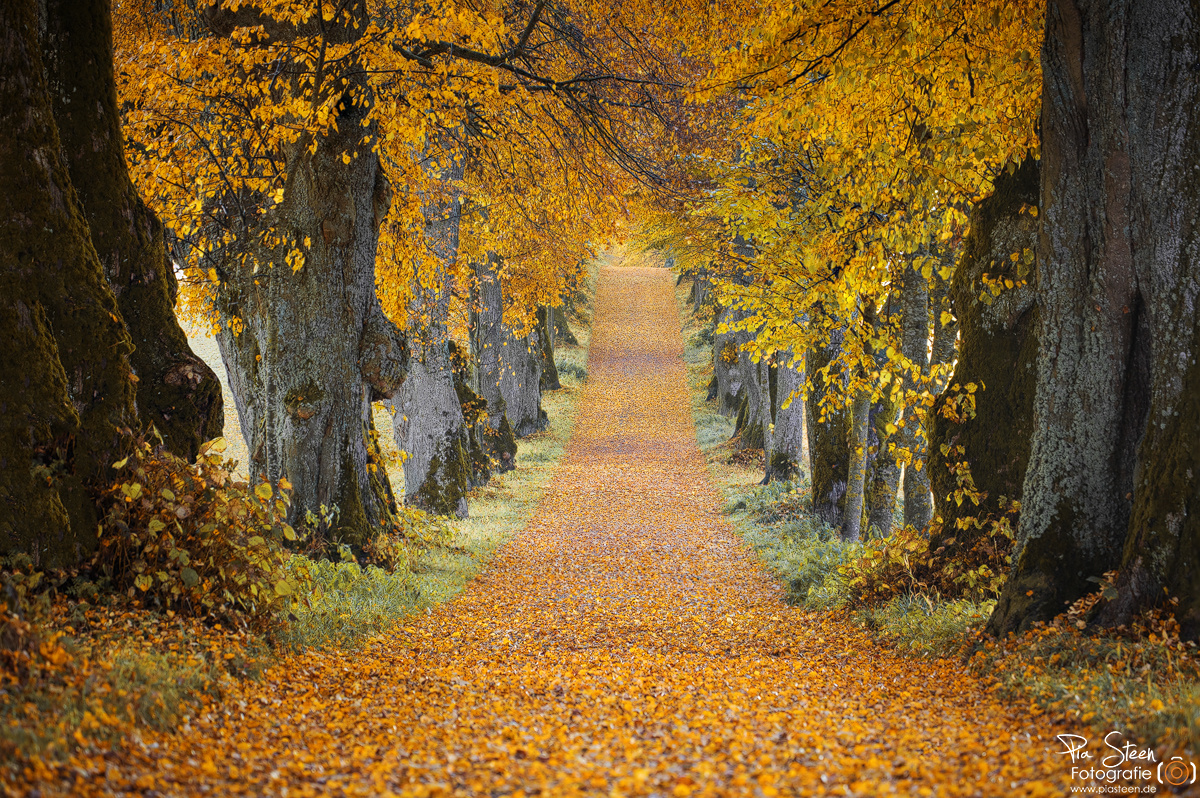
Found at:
<point>949,250</point>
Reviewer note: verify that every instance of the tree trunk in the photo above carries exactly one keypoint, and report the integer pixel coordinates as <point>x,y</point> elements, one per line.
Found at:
<point>520,381</point>
<point>429,418</point>
<point>562,330</point>
<point>727,364</point>
<point>999,355</point>
<point>789,449</point>
<point>316,348</point>
<point>475,418</point>
<point>914,345</point>
<point>883,469</point>
<point>751,426</point>
<point>852,514</point>
<point>66,387</point>
<point>430,428</point>
<point>1108,484</point>
<point>176,391</point>
<point>545,328</point>
<point>487,335</point>
<point>828,433</point>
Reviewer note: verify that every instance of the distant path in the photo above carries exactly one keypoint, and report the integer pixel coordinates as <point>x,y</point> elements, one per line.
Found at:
<point>625,644</point>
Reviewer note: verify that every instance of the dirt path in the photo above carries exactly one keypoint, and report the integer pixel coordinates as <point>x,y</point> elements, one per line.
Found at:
<point>625,644</point>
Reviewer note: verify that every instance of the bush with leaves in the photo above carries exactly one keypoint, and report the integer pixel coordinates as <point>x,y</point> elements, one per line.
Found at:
<point>193,538</point>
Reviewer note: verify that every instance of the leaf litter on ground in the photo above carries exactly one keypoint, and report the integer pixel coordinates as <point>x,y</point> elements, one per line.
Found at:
<point>627,642</point>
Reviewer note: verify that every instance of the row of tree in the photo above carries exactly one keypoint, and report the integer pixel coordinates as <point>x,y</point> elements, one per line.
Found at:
<point>985,264</point>
<point>366,203</point>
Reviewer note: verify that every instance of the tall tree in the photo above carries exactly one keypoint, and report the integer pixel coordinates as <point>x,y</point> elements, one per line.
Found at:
<point>1108,485</point>
<point>828,426</point>
<point>429,416</point>
<point>66,384</point>
<point>993,298</point>
<point>176,391</point>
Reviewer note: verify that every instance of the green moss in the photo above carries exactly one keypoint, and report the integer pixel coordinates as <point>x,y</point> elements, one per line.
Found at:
<point>444,490</point>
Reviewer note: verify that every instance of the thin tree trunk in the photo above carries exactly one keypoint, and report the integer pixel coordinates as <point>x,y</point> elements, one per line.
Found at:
<point>852,515</point>
<point>66,387</point>
<point>176,391</point>
<point>828,433</point>
<point>914,345</point>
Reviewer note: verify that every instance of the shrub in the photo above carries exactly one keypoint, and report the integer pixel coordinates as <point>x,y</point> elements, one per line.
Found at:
<point>192,538</point>
<point>23,612</point>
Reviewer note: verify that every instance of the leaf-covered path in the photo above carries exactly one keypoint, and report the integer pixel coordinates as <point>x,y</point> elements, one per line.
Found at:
<point>626,643</point>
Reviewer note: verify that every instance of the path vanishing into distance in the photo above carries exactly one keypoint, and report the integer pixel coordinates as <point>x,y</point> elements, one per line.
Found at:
<point>625,643</point>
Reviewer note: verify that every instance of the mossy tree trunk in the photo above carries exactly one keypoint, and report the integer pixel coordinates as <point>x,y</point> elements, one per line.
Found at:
<point>1108,485</point>
<point>315,348</point>
<point>66,384</point>
<point>429,419</point>
<point>754,404</point>
<point>789,444</point>
<point>545,328</point>
<point>176,391</point>
<point>475,417</point>
<point>487,335</point>
<point>998,353</point>
<point>828,431</point>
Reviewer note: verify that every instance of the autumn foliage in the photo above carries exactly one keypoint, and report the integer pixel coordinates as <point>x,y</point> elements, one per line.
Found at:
<point>192,537</point>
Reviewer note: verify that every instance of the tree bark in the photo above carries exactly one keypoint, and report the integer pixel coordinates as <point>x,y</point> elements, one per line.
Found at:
<point>316,348</point>
<point>998,354</point>
<point>852,515</point>
<point>520,381</point>
<point>66,387</point>
<point>828,433</point>
<point>914,345</point>
<point>176,391</point>
<point>752,423</point>
<point>487,335</point>
<point>1107,484</point>
<point>430,425</point>
<point>883,468</point>
<point>727,364</point>
<point>789,449</point>
<point>475,417</point>
<point>545,328</point>
<point>562,330</point>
